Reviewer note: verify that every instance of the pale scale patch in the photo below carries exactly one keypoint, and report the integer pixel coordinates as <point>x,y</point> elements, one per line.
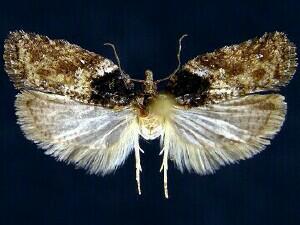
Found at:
<point>106,66</point>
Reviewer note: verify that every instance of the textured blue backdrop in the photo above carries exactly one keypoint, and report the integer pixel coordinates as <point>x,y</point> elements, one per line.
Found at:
<point>35,189</point>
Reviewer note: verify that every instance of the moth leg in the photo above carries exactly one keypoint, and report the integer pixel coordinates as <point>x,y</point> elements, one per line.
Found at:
<point>164,167</point>
<point>138,167</point>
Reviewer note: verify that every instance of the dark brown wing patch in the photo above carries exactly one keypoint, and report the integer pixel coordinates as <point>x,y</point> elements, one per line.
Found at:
<point>188,89</point>
<point>260,64</point>
<point>113,90</point>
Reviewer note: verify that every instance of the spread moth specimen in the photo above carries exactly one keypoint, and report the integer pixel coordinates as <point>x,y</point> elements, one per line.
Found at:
<point>216,109</point>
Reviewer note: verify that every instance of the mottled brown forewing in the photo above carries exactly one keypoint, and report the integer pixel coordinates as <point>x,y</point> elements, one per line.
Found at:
<point>55,66</point>
<point>260,64</point>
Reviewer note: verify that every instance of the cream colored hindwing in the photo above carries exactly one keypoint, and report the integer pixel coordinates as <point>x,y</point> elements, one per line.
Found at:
<point>92,137</point>
<point>204,138</point>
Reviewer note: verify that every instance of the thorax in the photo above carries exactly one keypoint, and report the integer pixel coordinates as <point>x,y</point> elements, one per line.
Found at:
<point>152,115</point>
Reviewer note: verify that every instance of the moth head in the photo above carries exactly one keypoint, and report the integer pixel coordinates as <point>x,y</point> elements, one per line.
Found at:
<point>150,85</point>
<point>148,76</point>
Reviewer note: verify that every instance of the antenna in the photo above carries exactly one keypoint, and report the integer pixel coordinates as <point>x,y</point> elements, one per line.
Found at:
<point>117,58</point>
<point>179,52</point>
<point>178,59</point>
<point>126,76</point>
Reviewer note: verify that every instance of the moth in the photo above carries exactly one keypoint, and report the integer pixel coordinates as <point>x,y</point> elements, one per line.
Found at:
<point>216,109</point>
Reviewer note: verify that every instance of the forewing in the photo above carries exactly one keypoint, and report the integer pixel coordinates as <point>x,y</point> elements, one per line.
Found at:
<point>260,64</point>
<point>202,139</point>
<point>36,62</point>
<point>92,137</point>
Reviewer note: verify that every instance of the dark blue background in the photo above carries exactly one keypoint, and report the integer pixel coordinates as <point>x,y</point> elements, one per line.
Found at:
<point>35,189</point>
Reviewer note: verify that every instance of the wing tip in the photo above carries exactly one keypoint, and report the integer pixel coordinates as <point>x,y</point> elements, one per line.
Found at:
<point>289,55</point>
<point>292,61</point>
<point>12,65</point>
